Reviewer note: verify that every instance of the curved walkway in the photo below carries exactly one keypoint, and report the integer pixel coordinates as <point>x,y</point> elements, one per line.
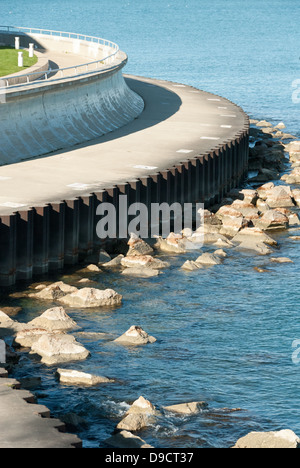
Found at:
<point>178,123</point>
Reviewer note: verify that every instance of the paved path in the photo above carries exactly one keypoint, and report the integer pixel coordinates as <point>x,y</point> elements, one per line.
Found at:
<point>179,122</point>
<point>23,424</point>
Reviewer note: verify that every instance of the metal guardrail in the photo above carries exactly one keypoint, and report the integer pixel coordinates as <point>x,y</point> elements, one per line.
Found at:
<point>79,70</point>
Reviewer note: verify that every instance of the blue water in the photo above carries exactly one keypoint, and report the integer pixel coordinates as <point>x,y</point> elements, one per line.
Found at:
<point>245,51</point>
<point>224,335</point>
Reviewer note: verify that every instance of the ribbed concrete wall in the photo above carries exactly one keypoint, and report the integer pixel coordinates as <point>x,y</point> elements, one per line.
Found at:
<point>47,238</point>
<point>37,122</point>
<point>52,116</point>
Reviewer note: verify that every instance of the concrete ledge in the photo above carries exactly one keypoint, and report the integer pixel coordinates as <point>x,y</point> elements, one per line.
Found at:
<point>27,425</point>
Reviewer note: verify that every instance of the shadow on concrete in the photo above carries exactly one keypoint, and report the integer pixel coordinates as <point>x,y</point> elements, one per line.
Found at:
<point>160,104</point>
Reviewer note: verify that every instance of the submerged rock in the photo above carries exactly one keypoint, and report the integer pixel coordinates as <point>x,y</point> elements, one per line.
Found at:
<point>220,253</point>
<point>135,336</point>
<point>281,260</point>
<point>187,408</point>
<point>280,439</point>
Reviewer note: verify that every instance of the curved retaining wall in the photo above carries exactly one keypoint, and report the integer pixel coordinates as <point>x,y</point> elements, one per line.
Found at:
<point>53,115</point>
<point>47,238</point>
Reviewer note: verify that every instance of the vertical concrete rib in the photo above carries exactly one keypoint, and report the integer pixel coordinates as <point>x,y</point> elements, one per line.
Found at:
<point>24,250</point>
<point>41,240</point>
<point>8,238</point>
<point>86,225</point>
<point>72,222</point>
<point>56,235</point>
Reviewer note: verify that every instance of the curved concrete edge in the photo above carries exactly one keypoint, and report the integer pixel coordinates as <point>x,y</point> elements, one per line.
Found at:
<point>40,67</point>
<point>25,424</point>
<point>47,237</point>
<point>62,115</point>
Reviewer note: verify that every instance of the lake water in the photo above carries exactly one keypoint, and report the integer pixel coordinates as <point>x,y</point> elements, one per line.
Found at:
<point>225,334</point>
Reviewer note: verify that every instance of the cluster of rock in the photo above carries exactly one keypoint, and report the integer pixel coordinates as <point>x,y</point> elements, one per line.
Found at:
<point>248,222</point>
<point>139,260</point>
<point>267,155</point>
<point>245,220</point>
<point>46,336</point>
<point>142,414</point>
<point>77,298</point>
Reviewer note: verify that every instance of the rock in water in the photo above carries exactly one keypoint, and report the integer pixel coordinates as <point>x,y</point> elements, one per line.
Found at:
<point>91,297</point>
<point>54,319</point>
<point>144,261</point>
<point>26,338</point>
<point>174,243</point>
<point>280,439</point>
<point>141,272</point>
<point>273,220</point>
<point>209,259</point>
<point>125,439</point>
<point>54,292</point>
<point>190,265</point>
<point>135,336</point>
<point>187,408</point>
<point>138,246</point>
<point>73,377</point>
<point>140,415</point>
<point>55,349</point>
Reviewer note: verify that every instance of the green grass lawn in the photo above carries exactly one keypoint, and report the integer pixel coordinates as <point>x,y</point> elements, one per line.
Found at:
<point>9,61</point>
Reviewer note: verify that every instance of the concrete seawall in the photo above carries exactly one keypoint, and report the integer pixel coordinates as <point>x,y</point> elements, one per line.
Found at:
<point>197,149</point>
<point>60,113</point>
<point>87,135</point>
